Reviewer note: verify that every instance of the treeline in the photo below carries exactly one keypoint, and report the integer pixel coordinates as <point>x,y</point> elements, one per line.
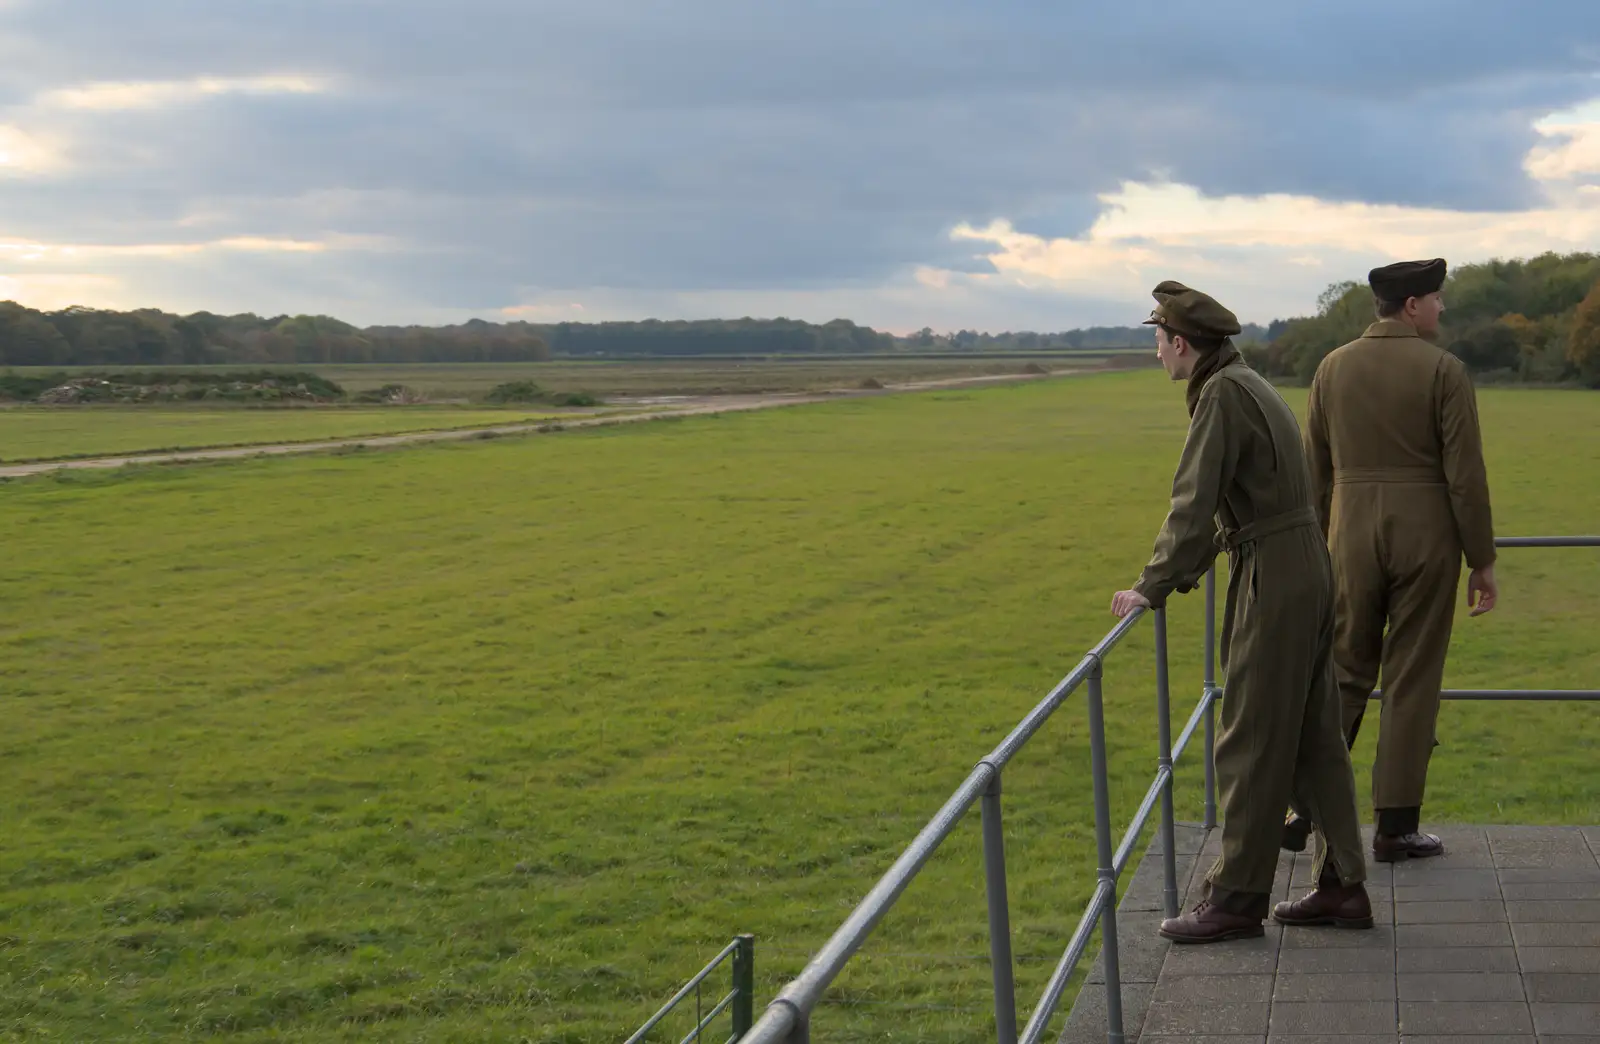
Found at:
<point>1086,339</point>
<point>1535,321</point>
<point>713,337</point>
<point>148,337</point>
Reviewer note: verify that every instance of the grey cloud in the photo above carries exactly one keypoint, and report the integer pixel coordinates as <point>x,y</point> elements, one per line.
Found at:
<point>728,145</point>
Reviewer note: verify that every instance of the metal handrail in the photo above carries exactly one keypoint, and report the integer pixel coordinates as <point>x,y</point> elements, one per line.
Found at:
<point>787,1019</point>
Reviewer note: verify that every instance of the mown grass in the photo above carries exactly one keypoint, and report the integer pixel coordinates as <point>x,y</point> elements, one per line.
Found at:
<point>56,432</point>
<point>500,741</point>
<point>699,376</point>
<point>459,382</point>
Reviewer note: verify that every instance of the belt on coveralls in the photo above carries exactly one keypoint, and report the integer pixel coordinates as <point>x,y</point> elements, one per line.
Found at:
<point>1229,539</point>
<point>1405,473</point>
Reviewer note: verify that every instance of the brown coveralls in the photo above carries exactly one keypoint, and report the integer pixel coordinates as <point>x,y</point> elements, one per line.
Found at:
<point>1243,467</point>
<point>1397,463</point>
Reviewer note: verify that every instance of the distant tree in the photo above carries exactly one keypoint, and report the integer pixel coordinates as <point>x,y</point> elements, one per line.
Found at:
<point>1552,283</point>
<point>28,339</point>
<point>1344,311</point>
<point>320,339</point>
<point>1337,292</point>
<point>1477,294</point>
<point>1529,334</point>
<point>1511,318</point>
<point>1583,343</point>
<point>1488,348</point>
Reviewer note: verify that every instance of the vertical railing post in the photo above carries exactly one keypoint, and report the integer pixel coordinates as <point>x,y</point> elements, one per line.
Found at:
<point>1209,697</point>
<point>1169,833</point>
<point>743,1007</point>
<point>994,876</point>
<point>1107,872</point>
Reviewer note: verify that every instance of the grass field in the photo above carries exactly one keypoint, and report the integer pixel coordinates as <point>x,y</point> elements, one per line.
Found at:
<point>500,741</point>
<point>686,376</point>
<point>55,432</point>
<point>51,433</point>
<point>698,376</point>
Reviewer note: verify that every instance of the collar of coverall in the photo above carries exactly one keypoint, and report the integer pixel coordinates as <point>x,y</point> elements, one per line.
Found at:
<point>1391,328</point>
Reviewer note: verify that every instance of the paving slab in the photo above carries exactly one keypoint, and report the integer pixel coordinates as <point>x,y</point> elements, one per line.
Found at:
<point>1299,1017</point>
<point>1493,1038</point>
<point>1457,959</point>
<point>1557,988</point>
<point>1464,1018</point>
<point>1558,960</point>
<point>1228,1017</point>
<point>1569,933</point>
<point>1560,1019</point>
<point>1358,986</point>
<point>1451,987</point>
<point>1496,942</point>
<point>1550,911</point>
<point>1465,911</point>
<point>1438,936</point>
<point>1554,891</point>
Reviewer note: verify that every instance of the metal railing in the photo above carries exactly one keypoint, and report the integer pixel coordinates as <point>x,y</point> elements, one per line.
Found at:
<point>739,1001</point>
<point>787,1019</point>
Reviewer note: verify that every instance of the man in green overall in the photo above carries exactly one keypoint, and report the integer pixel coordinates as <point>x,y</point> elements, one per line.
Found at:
<point>1396,460</point>
<point>1243,469</point>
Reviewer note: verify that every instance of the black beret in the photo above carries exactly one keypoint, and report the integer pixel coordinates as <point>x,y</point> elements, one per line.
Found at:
<point>1190,312</point>
<point>1405,279</point>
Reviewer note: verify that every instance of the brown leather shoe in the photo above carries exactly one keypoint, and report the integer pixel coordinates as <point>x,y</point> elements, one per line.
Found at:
<point>1387,849</point>
<point>1207,924</point>
<point>1339,905</point>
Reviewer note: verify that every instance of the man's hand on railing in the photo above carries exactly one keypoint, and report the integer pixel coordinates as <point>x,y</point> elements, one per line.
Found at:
<point>1125,602</point>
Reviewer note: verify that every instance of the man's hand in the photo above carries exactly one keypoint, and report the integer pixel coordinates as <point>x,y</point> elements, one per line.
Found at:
<point>1482,590</point>
<point>1125,602</point>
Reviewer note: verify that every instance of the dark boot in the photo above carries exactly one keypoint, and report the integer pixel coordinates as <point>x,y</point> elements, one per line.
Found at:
<point>1397,837</point>
<point>1397,848</point>
<point>1296,831</point>
<point>1208,923</point>
<point>1343,906</point>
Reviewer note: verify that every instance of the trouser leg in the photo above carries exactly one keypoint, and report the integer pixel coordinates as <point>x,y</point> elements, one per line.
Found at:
<point>1361,590</point>
<point>1421,618</point>
<point>1360,593</point>
<point>1257,748</point>
<point>1325,785</point>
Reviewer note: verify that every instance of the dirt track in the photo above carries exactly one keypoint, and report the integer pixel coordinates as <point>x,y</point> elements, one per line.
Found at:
<point>689,406</point>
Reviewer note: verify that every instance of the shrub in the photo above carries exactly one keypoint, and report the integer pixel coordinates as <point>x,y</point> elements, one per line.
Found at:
<point>529,392</point>
<point>516,391</point>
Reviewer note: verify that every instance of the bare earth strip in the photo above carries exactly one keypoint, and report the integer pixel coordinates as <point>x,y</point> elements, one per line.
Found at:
<point>689,406</point>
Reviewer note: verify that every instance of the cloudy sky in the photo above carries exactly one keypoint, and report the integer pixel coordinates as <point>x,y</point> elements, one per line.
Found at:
<point>992,164</point>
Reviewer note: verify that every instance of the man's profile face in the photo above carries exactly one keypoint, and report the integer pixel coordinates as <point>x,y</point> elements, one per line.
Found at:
<point>1168,351</point>
<point>1429,308</point>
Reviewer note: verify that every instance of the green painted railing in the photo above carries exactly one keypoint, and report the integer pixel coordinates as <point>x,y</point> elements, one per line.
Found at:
<point>739,1002</point>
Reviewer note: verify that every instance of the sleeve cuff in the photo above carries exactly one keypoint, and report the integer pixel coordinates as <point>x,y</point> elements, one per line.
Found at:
<point>1152,592</point>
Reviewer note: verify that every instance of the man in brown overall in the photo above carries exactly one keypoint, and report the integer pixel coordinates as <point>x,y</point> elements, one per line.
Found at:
<point>1396,460</point>
<point>1243,469</point>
